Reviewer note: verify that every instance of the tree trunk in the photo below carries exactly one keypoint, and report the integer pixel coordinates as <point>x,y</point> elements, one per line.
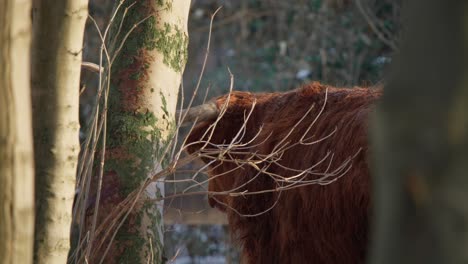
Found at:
<point>145,80</point>
<point>56,57</point>
<point>16,147</point>
<point>421,142</point>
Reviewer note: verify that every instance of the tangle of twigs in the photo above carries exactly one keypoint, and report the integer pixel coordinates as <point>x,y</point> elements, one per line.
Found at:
<point>101,234</point>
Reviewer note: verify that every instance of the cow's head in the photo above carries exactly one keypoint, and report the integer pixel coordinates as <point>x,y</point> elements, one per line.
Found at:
<point>230,125</point>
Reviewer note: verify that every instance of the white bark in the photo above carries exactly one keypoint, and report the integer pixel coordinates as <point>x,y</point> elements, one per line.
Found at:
<point>56,63</point>
<point>16,149</point>
<point>166,80</point>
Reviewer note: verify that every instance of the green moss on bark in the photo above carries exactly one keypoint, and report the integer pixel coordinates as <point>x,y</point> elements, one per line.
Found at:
<point>135,144</point>
<point>170,40</point>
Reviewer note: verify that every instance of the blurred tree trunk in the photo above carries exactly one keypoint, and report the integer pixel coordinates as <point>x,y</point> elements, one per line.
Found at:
<point>421,142</point>
<point>145,79</point>
<point>58,28</point>
<point>16,147</point>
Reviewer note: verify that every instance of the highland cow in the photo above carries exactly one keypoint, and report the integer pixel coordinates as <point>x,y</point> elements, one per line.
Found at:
<point>291,172</point>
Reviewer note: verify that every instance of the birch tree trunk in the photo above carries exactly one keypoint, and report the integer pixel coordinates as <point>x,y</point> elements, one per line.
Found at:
<point>16,146</point>
<point>145,80</point>
<point>58,28</point>
<point>421,142</point>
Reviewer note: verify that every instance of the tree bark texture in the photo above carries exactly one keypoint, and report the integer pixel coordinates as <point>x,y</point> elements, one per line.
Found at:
<point>420,137</point>
<point>58,28</point>
<point>16,146</point>
<point>145,80</point>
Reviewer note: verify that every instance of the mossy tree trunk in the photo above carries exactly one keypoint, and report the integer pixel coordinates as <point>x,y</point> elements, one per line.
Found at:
<point>58,28</point>
<point>145,80</point>
<point>16,146</point>
<point>421,142</point>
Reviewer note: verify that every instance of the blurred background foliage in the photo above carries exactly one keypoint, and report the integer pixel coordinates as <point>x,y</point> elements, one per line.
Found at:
<point>277,45</point>
<point>269,45</point>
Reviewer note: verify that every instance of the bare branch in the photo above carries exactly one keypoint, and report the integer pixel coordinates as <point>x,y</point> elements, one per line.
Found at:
<point>91,67</point>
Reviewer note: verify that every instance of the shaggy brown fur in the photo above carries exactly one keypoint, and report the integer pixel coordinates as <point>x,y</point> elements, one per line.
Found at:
<point>309,224</point>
